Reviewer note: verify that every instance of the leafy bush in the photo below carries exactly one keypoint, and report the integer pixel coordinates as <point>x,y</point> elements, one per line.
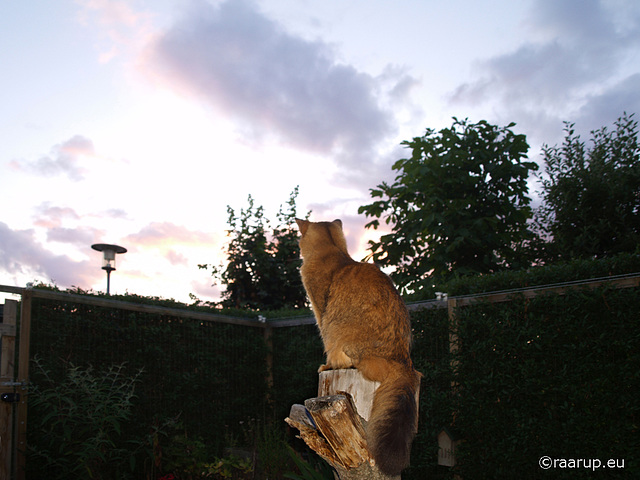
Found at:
<point>624,263</point>
<point>79,419</point>
<point>431,358</point>
<point>188,458</point>
<point>554,375</point>
<point>210,374</point>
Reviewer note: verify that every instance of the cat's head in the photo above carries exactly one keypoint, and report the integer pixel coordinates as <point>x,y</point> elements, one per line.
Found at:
<point>321,237</point>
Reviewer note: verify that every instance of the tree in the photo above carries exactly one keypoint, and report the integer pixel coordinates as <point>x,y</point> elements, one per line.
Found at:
<point>285,249</point>
<point>262,271</point>
<point>458,205</point>
<point>591,196</point>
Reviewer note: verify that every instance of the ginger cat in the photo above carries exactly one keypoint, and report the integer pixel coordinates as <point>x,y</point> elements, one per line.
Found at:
<point>364,324</point>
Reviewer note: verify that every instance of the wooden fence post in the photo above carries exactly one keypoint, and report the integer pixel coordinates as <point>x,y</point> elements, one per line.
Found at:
<point>454,345</point>
<point>7,389</point>
<point>23,378</point>
<point>268,339</point>
<point>447,440</point>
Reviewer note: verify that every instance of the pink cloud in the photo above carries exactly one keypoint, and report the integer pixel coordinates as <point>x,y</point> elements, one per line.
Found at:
<point>21,254</point>
<point>110,13</point>
<point>48,216</point>
<point>123,27</point>
<point>159,234</point>
<point>64,159</point>
<point>176,258</point>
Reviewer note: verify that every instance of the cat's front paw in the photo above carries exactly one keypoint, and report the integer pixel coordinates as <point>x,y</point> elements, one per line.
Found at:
<point>324,367</point>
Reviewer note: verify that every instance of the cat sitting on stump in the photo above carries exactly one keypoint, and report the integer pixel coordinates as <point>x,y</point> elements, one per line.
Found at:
<point>365,325</point>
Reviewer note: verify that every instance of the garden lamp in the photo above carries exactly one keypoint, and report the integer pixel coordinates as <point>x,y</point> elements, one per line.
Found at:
<point>108,258</point>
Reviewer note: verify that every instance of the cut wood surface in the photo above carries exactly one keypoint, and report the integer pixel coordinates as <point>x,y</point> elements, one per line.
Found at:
<point>333,424</point>
<point>332,382</point>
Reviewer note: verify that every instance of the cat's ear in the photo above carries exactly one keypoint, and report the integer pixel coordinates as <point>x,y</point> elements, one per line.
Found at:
<point>303,225</point>
<point>337,235</point>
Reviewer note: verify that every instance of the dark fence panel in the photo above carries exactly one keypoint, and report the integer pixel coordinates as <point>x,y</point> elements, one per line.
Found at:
<point>550,375</point>
<point>210,375</point>
<point>554,376</point>
<point>431,358</point>
<point>297,354</point>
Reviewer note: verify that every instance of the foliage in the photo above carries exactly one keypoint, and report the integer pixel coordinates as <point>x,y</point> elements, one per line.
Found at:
<point>80,420</point>
<point>188,458</point>
<point>458,204</point>
<point>542,376</point>
<point>555,376</point>
<point>559,272</point>
<point>271,449</point>
<point>591,194</point>
<point>209,374</point>
<point>583,336</point>
<point>258,450</point>
<point>313,469</point>
<point>430,354</point>
<point>261,272</point>
<point>298,352</point>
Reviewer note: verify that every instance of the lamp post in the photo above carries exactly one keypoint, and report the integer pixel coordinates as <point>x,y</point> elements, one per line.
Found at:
<point>108,258</point>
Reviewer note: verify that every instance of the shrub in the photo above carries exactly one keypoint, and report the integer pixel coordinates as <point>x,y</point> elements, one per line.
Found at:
<point>79,419</point>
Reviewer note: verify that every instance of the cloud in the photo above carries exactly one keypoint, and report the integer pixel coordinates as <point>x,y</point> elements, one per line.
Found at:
<point>123,25</point>
<point>64,159</point>
<point>580,51</point>
<point>53,218</point>
<point>22,255</point>
<point>203,288</point>
<point>48,216</point>
<point>610,104</point>
<point>273,83</point>
<point>167,234</point>
<point>176,258</point>
<point>116,213</point>
<point>79,236</point>
<point>111,13</point>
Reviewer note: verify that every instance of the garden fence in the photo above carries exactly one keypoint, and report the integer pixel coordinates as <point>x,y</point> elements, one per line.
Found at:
<point>213,372</point>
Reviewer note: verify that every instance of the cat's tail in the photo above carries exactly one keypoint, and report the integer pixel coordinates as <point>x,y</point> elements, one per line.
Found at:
<point>394,416</point>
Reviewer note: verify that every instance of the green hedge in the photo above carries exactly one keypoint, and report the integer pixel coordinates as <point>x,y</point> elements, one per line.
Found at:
<point>535,276</point>
<point>554,375</point>
<point>431,358</point>
<point>206,379</point>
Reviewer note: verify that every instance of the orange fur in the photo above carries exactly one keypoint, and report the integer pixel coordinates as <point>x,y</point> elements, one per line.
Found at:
<point>364,324</point>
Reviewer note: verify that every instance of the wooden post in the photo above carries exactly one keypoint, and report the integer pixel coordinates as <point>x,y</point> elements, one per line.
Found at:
<point>446,441</point>
<point>334,424</point>
<point>268,339</point>
<point>454,345</point>
<point>7,387</point>
<point>23,378</point>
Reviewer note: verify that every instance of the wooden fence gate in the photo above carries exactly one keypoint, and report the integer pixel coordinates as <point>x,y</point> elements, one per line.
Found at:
<point>13,387</point>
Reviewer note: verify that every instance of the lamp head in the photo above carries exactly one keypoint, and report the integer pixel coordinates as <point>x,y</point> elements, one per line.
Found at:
<point>108,254</point>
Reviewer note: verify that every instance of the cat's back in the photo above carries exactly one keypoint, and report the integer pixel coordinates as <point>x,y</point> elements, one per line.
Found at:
<point>362,275</point>
<point>363,287</point>
<point>365,309</point>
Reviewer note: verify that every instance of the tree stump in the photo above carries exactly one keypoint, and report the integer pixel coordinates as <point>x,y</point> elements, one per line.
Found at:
<point>334,424</point>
